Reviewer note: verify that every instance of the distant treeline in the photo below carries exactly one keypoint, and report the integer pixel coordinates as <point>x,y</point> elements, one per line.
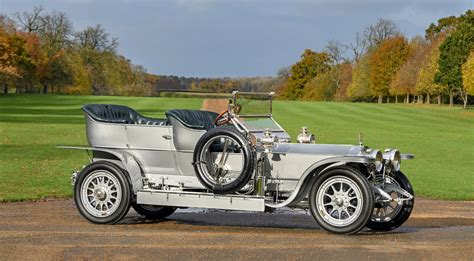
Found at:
<point>41,52</point>
<point>385,66</point>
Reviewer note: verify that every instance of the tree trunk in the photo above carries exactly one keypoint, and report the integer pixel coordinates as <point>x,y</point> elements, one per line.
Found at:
<point>380,99</point>
<point>439,99</point>
<point>388,99</point>
<point>45,89</point>
<point>420,98</point>
<point>396,98</point>
<point>428,98</point>
<point>408,98</point>
<point>451,98</point>
<point>5,87</point>
<point>465,100</point>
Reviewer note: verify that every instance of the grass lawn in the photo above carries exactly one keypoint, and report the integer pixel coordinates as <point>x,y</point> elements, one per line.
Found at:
<point>442,139</point>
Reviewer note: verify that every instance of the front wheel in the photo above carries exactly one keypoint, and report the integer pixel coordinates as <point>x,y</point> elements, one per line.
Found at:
<point>102,193</point>
<point>341,201</point>
<point>390,215</point>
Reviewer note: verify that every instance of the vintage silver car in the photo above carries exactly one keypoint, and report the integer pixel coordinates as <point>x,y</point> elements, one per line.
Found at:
<point>233,161</point>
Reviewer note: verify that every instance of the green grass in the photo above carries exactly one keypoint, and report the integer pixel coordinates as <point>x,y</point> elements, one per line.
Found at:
<point>442,139</point>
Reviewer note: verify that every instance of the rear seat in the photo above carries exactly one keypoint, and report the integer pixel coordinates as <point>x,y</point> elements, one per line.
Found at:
<point>119,114</point>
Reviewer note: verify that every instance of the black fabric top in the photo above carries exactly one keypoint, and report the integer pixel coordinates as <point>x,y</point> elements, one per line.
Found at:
<point>119,114</point>
<point>194,119</point>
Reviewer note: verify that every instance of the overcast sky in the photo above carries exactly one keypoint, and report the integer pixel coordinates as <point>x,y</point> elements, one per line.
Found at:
<point>237,37</point>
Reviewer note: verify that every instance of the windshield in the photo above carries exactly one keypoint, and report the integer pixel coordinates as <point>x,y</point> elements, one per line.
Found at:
<point>253,104</point>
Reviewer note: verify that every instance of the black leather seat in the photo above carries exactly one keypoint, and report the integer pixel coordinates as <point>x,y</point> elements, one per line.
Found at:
<point>194,119</point>
<point>119,114</point>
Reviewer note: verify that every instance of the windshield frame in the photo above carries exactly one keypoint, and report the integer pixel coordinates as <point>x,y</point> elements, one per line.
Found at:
<point>233,104</point>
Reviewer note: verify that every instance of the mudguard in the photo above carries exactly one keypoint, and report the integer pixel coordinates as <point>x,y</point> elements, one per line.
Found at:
<point>123,158</point>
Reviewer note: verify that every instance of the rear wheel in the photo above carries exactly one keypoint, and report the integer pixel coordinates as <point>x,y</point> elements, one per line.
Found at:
<point>102,193</point>
<point>341,201</point>
<point>390,215</point>
<point>152,211</point>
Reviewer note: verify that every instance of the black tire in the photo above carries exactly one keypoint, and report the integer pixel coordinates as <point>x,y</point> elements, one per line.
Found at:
<point>405,210</point>
<point>365,193</point>
<point>153,212</point>
<point>244,148</point>
<point>119,209</point>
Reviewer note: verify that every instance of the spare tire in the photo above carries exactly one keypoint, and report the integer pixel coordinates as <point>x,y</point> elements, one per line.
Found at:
<point>223,160</point>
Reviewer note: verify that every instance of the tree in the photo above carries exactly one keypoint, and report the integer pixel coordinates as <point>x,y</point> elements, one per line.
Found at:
<point>55,31</point>
<point>425,83</point>
<point>344,80</point>
<point>405,80</point>
<point>359,88</point>
<point>453,54</point>
<point>322,87</point>
<point>445,26</point>
<point>384,64</point>
<point>95,38</point>
<point>358,48</point>
<point>13,55</point>
<point>468,76</point>
<point>335,50</point>
<point>29,67</point>
<point>29,22</point>
<point>311,64</point>
<point>380,31</point>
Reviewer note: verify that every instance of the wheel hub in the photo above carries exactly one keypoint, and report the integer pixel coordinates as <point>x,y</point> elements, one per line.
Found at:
<point>100,194</point>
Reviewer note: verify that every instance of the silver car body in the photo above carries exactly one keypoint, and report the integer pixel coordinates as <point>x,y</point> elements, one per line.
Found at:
<point>158,160</point>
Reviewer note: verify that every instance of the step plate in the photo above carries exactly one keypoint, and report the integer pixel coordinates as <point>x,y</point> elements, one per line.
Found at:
<point>200,200</point>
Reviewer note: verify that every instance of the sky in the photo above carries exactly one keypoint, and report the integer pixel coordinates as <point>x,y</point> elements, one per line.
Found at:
<point>237,38</point>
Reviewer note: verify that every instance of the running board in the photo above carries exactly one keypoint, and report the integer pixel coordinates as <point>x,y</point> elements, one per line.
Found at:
<point>200,200</point>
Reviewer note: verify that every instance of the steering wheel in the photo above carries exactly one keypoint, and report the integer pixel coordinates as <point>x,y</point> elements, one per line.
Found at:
<point>222,118</point>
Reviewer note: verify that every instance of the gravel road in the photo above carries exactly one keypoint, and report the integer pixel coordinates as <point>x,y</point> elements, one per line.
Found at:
<point>54,229</point>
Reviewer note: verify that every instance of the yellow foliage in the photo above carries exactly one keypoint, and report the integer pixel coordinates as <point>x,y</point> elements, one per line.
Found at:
<point>426,77</point>
<point>468,74</point>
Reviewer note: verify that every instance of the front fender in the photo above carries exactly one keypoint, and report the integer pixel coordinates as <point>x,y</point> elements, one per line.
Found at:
<point>305,182</point>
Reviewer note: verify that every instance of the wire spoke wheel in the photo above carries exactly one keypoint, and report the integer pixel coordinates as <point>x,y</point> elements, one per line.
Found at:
<point>101,193</point>
<point>340,199</point>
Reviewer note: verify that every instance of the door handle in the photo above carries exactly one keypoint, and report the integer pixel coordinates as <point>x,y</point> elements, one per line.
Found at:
<point>167,137</point>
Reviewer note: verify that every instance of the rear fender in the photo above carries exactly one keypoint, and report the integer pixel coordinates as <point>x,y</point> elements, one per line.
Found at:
<point>122,159</point>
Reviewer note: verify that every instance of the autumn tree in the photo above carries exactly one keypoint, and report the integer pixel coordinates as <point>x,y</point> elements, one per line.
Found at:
<point>425,82</point>
<point>453,54</point>
<point>345,79</point>
<point>385,62</point>
<point>405,79</point>
<point>13,56</point>
<point>359,88</point>
<point>322,87</point>
<point>468,76</point>
<point>311,64</point>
